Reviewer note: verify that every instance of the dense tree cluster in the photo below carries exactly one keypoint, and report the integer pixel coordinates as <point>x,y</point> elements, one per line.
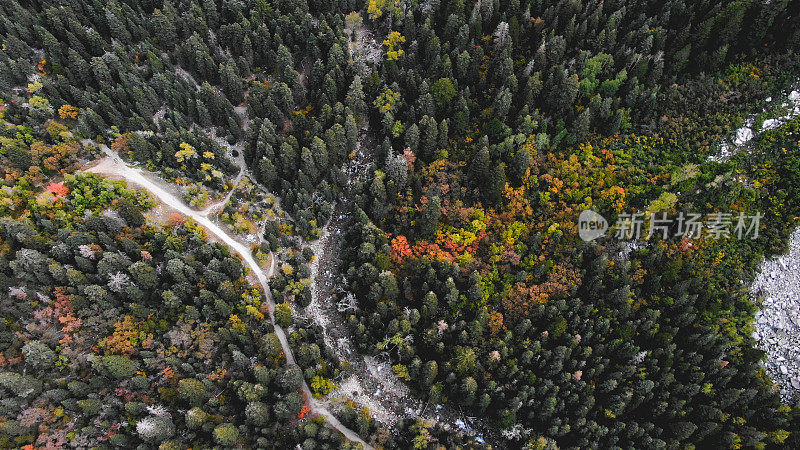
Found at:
<point>160,70</point>
<point>499,124</point>
<point>117,332</point>
<point>617,360</point>
<point>462,139</point>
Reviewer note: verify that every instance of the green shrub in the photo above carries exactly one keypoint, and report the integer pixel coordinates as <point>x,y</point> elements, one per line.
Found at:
<point>169,445</point>
<point>257,413</point>
<point>170,300</point>
<point>263,375</point>
<point>195,418</point>
<point>130,213</point>
<point>38,356</point>
<point>193,391</point>
<point>57,394</point>
<point>290,378</point>
<point>226,435</point>
<point>13,428</point>
<point>120,440</point>
<point>91,406</point>
<point>271,346</point>
<point>135,408</point>
<point>283,315</point>
<point>70,404</point>
<point>310,429</point>
<point>119,367</point>
<point>78,388</point>
<point>20,385</point>
<point>140,382</point>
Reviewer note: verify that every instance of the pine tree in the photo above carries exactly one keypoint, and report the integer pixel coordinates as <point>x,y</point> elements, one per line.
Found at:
<point>468,388</point>
<point>351,133</point>
<point>429,306</point>
<point>411,137</point>
<point>285,65</point>
<point>231,83</point>
<point>163,28</point>
<point>307,164</point>
<point>428,140</point>
<point>429,218</point>
<point>478,172</point>
<point>355,97</point>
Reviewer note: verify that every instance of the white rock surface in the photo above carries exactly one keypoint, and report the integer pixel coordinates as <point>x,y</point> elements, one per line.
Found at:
<point>743,135</point>
<point>770,124</point>
<point>747,132</point>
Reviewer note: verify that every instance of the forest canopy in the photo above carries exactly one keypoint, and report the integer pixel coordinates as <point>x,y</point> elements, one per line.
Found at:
<point>407,176</point>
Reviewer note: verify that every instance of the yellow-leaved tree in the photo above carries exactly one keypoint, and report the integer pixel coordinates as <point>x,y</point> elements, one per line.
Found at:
<point>392,41</point>
<point>186,151</point>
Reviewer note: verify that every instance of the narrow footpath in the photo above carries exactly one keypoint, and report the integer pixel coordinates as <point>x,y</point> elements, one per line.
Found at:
<point>113,166</point>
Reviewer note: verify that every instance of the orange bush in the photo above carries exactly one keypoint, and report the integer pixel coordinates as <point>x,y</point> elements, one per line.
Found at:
<point>175,218</point>
<point>59,189</point>
<point>400,249</point>
<point>122,340</point>
<point>68,112</point>
<point>121,143</point>
<point>496,323</point>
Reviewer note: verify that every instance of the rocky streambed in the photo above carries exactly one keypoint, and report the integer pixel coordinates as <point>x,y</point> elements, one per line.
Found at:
<point>776,288</point>
<point>777,326</point>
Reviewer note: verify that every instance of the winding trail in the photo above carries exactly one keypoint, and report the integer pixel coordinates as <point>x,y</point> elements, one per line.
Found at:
<point>112,165</point>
